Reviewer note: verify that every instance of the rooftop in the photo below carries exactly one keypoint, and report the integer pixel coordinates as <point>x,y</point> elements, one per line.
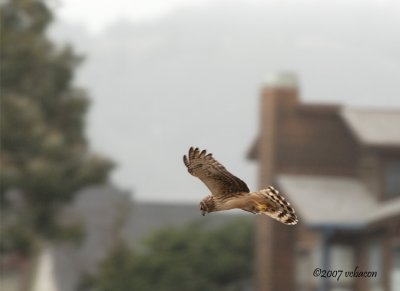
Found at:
<point>337,201</point>
<point>374,127</point>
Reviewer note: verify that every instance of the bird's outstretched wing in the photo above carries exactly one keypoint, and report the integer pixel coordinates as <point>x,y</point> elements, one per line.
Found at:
<point>212,173</point>
<point>269,202</point>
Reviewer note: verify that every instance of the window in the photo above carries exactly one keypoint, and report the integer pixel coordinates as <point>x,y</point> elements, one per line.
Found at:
<point>375,255</point>
<point>395,271</point>
<point>306,261</point>
<point>392,179</point>
<point>303,269</point>
<point>342,258</point>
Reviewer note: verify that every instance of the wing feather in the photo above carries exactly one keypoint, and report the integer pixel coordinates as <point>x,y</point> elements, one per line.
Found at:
<point>213,174</point>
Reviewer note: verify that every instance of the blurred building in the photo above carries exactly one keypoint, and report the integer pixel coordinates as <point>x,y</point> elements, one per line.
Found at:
<point>340,169</point>
<point>108,215</point>
<point>102,211</point>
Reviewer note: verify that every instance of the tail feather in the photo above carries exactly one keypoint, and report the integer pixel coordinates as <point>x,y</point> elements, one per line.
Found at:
<point>275,205</point>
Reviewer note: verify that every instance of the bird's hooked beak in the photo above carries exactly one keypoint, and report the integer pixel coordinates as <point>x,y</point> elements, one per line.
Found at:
<point>203,208</point>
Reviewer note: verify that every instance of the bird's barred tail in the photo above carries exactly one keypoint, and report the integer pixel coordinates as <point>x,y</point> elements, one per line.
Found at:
<point>277,206</point>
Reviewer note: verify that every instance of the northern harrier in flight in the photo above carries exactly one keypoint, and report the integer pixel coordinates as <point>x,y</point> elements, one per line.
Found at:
<point>229,192</point>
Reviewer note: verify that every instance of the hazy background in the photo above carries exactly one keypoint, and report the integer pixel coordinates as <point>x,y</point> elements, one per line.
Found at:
<point>165,75</point>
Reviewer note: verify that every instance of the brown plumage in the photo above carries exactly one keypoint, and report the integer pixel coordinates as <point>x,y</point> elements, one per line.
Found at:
<point>229,192</point>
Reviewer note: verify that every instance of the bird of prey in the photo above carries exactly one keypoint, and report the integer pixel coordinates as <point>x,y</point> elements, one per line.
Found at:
<point>229,192</point>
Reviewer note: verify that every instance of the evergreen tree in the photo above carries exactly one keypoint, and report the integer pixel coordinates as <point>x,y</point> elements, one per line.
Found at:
<point>44,152</point>
<point>189,258</point>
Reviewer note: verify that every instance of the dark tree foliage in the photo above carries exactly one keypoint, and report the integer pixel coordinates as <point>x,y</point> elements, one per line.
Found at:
<point>44,153</point>
<point>191,258</point>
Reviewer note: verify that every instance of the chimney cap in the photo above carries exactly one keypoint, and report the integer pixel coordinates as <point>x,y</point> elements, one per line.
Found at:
<point>281,80</point>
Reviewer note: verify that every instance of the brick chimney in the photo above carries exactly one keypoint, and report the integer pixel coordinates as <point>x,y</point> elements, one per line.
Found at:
<point>278,95</point>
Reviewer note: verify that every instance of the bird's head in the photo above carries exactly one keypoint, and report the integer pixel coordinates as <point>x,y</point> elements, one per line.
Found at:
<point>207,205</point>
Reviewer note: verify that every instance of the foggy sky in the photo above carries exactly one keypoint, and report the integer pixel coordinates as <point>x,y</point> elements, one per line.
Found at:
<point>193,77</point>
